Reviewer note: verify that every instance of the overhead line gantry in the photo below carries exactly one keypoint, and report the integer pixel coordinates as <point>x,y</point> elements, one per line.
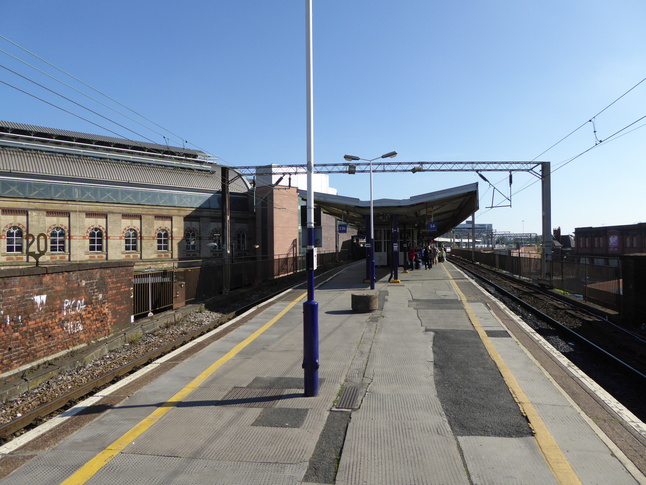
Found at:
<point>541,170</point>
<point>392,166</point>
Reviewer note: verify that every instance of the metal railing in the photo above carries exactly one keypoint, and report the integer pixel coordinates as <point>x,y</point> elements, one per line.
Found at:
<point>194,281</point>
<point>596,284</point>
<point>152,291</point>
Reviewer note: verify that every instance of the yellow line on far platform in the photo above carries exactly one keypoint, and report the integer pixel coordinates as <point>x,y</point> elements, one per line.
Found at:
<point>88,470</point>
<point>553,455</point>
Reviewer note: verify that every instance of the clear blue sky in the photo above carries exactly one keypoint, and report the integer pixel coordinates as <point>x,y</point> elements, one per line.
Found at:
<point>435,80</point>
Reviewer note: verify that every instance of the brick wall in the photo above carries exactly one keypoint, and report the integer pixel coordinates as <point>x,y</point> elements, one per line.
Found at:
<point>46,310</point>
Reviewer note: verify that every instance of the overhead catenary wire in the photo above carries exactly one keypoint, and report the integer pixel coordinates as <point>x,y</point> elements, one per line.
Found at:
<point>60,108</point>
<point>83,94</point>
<point>597,141</point>
<point>179,137</point>
<point>605,141</point>
<point>589,120</point>
<point>74,102</point>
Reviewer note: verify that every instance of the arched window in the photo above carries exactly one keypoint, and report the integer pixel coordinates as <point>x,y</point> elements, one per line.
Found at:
<point>241,241</point>
<point>131,240</point>
<point>14,240</point>
<point>191,240</point>
<point>96,240</point>
<point>57,240</point>
<point>162,240</point>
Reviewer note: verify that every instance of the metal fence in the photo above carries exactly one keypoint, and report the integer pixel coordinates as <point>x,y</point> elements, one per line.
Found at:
<point>596,284</point>
<point>200,280</point>
<point>152,291</point>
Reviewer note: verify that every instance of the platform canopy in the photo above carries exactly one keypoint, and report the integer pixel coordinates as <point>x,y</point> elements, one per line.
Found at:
<point>447,208</point>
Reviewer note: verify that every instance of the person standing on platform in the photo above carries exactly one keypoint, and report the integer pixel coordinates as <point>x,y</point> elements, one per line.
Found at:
<point>428,258</point>
<point>411,257</point>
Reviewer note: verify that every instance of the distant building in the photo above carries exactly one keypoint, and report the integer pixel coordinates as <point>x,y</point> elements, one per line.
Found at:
<point>562,245</point>
<point>462,235</point>
<point>595,243</point>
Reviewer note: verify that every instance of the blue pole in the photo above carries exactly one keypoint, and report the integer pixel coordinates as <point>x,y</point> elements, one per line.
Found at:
<point>373,267</point>
<point>310,326</point>
<point>310,307</point>
<point>368,243</point>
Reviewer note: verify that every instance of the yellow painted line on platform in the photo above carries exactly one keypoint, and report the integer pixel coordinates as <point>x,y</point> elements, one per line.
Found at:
<point>554,457</point>
<point>88,470</point>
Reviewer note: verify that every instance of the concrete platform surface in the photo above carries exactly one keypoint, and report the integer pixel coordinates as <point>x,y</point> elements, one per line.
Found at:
<point>431,388</point>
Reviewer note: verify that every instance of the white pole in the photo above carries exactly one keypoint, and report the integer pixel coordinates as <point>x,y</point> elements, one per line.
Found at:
<point>310,307</point>
<point>310,118</point>
<point>372,236</point>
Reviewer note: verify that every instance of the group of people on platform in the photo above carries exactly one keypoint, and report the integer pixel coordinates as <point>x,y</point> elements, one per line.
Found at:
<point>427,256</point>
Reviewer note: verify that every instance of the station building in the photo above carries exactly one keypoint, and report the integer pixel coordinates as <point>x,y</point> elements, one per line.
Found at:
<point>70,197</point>
<point>98,233</point>
<point>75,197</point>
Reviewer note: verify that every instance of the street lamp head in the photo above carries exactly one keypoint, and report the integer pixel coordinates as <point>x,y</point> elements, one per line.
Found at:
<point>389,155</point>
<point>351,158</point>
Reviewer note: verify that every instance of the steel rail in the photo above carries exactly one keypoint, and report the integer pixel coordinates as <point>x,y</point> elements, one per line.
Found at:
<point>32,418</point>
<point>551,321</point>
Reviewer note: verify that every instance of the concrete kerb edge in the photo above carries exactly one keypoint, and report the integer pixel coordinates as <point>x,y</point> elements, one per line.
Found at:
<point>624,414</point>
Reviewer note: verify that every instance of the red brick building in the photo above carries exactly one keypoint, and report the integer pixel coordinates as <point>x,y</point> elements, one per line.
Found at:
<point>610,241</point>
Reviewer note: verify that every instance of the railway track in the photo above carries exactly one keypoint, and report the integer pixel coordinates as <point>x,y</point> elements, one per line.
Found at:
<point>613,356</point>
<point>29,411</point>
<point>59,394</point>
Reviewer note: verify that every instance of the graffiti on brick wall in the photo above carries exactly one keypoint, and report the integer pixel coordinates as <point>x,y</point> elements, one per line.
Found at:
<point>73,307</point>
<point>8,319</point>
<point>17,321</point>
<point>73,327</point>
<point>40,301</point>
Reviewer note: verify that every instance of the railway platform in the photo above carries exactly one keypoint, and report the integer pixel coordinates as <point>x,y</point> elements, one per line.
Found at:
<point>439,385</point>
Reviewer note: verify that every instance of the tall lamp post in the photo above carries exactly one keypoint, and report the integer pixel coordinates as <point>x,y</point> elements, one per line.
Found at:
<point>372,274</point>
<point>310,307</point>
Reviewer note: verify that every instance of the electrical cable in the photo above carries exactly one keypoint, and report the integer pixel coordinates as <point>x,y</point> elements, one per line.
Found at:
<point>598,142</point>
<point>62,109</point>
<point>589,120</point>
<point>77,104</point>
<point>605,142</point>
<point>571,159</point>
<point>87,96</point>
<point>101,93</point>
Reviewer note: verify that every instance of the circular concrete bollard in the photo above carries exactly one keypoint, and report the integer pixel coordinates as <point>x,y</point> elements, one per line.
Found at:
<point>365,302</point>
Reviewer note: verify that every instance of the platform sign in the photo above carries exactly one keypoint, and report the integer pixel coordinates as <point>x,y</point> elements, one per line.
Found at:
<point>343,228</point>
<point>431,226</point>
